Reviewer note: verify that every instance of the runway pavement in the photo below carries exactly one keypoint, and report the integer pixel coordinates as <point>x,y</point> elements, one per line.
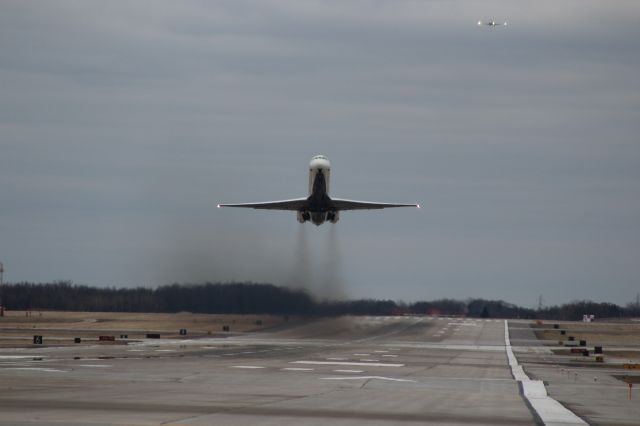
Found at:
<point>346,371</point>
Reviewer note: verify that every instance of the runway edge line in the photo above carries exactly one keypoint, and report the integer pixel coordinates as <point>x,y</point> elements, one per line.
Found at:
<point>550,411</point>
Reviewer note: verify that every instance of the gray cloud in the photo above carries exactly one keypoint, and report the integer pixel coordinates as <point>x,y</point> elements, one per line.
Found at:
<point>123,124</point>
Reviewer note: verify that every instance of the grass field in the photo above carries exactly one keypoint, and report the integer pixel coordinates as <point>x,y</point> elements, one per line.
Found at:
<point>18,327</point>
<point>594,333</point>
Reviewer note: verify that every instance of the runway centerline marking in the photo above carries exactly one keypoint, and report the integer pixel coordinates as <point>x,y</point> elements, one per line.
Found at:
<point>297,369</point>
<point>247,366</point>
<point>360,364</point>
<point>348,371</point>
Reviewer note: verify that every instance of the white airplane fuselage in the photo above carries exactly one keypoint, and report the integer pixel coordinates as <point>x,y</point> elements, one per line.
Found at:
<point>319,208</point>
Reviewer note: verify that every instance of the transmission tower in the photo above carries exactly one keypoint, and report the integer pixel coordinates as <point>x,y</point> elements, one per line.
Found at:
<point>540,302</point>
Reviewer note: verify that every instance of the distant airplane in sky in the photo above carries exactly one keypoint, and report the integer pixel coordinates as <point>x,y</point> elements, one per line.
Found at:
<point>492,23</point>
<point>318,207</point>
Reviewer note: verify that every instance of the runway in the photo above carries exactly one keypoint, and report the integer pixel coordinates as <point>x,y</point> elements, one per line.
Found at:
<point>347,371</point>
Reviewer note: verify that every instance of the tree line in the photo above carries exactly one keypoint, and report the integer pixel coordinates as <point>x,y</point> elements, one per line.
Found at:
<point>259,298</point>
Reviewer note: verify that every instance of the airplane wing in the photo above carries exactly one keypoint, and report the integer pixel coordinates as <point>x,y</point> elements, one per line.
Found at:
<point>294,204</point>
<point>342,204</point>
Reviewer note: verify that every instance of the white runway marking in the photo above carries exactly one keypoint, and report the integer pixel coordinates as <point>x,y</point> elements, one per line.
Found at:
<point>246,366</point>
<point>95,365</point>
<point>360,364</point>
<point>297,369</point>
<point>381,352</point>
<point>337,359</point>
<point>391,379</point>
<point>369,360</point>
<point>348,371</point>
<point>390,356</point>
<point>48,370</point>
<point>549,410</point>
<point>361,354</point>
<point>15,356</point>
<point>466,379</point>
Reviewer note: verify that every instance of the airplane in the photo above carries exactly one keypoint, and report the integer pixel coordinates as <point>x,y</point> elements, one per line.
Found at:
<point>318,207</point>
<point>492,23</point>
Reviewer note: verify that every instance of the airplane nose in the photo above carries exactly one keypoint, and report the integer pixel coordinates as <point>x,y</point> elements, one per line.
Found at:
<point>319,163</point>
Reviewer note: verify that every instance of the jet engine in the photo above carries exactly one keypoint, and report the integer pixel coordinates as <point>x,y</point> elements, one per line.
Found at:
<point>304,217</point>
<point>333,216</point>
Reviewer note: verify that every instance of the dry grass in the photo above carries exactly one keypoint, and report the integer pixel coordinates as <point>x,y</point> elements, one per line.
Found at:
<point>594,333</point>
<point>628,379</point>
<point>17,328</point>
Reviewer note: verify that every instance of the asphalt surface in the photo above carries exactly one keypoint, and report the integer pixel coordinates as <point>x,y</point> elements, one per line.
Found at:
<point>346,371</point>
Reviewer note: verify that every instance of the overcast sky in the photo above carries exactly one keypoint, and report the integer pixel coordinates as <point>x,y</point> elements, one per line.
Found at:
<point>123,124</point>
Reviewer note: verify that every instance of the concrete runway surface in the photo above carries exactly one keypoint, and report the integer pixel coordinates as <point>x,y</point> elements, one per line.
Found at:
<point>344,371</point>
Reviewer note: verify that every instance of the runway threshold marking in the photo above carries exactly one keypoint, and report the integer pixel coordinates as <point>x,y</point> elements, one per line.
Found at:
<point>360,364</point>
<point>548,409</point>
